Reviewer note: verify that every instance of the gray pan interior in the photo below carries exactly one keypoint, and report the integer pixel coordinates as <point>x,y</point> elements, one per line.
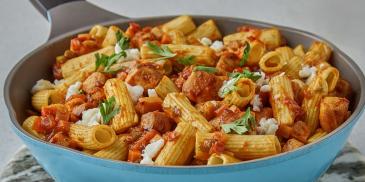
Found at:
<point>38,64</point>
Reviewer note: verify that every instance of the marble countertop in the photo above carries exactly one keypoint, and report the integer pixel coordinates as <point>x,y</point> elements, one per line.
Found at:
<point>23,29</point>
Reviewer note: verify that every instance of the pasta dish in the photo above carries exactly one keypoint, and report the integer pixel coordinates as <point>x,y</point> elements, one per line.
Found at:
<point>185,94</point>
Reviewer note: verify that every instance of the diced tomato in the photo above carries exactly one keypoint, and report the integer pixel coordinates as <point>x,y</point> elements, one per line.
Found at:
<point>132,29</point>
<point>56,69</point>
<point>37,126</point>
<point>83,37</point>
<point>166,39</point>
<point>75,45</point>
<point>134,155</point>
<point>48,124</point>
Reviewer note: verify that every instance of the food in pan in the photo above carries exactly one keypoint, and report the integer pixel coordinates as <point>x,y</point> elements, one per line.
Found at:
<point>182,94</point>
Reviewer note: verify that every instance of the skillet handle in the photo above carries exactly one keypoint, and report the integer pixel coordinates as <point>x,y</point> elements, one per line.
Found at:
<point>68,15</point>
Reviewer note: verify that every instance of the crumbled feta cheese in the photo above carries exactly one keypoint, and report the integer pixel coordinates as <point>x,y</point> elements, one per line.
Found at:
<point>90,117</point>
<point>307,71</point>
<point>261,81</point>
<point>206,41</point>
<point>152,93</point>
<point>151,150</point>
<point>131,54</point>
<point>135,91</point>
<point>256,103</point>
<point>267,126</point>
<point>227,86</point>
<point>73,89</point>
<point>282,74</point>
<point>42,85</point>
<point>217,46</point>
<point>265,88</point>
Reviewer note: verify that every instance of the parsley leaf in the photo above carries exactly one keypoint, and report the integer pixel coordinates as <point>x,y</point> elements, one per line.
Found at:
<point>246,53</point>
<point>242,125</point>
<point>122,41</point>
<point>108,109</point>
<point>245,74</point>
<point>163,51</point>
<point>187,60</point>
<point>206,69</point>
<point>107,61</point>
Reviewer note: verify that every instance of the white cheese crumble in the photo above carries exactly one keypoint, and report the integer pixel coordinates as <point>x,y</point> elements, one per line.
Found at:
<point>152,93</point>
<point>135,92</point>
<point>282,74</point>
<point>265,88</point>
<point>268,126</point>
<point>206,41</point>
<point>227,87</point>
<point>256,103</point>
<point>131,54</point>
<point>73,89</point>
<point>261,81</point>
<point>57,82</point>
<point>90,117</point>
<point>217,46</point>
<point>42,85</point>
<point>307,71</point>
<point>151,150</point>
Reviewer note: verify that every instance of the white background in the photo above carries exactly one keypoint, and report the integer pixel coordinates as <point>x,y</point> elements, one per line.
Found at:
<point>22,29</point>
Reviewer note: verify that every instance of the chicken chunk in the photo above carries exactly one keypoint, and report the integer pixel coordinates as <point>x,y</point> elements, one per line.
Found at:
<point>292,144</point>
<point>207,109</point>
<point>183,76</point>
<point>96,79</point>
<point>227,63</point>
<point>149,104</point>
<point>146,74</point>
<point>158,121</point>
<point>333,112</point>
<point>202,86</point>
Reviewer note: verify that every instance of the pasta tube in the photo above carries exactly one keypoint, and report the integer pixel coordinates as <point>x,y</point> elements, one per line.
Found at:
<point>202,55</point>
<point>28,126</point>
<point>311,102</point>
<point>180,150</point>
<point>127,116</point>
<point>65,83</point>
<point>331,75</point>
<point>217,159</point>
<point>207,29</point>
<point>285,52</point>
<point>317,53</point>
<point>183,23</point>
<point>177,37</point>
<point>110,36</point>
<point>179,105</point>
<point>239,36</point>
<point>243,147</point>
<point>282,100</point>
<point>165,87</point>
<point>272,62</point>
<point>257,50</point>
<point>317,135</point>
<point>293,66</point>
<point>271,38</point>
<point>86,61</point>
<point>117,151</point>
<point>299,50</point>
<point>92,137</point>
<point>46,97</point>
<point>98,32</point>
<point>243,95</point>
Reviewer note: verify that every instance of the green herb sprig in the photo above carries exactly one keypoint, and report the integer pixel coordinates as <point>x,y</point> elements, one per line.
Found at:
<point>242,125</point>
<point>108,109</point>
<point>187,60</point>
<point>163,51</point>
<point>230,85</point>
<point>245,74</point>
<point>206,69</point>
<point>246,53</point>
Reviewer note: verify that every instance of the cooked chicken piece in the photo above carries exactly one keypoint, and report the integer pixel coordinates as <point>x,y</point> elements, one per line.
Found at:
<point>202,86</point>
<point>96,79</point>
<point>333,112</point>
<point>227,63</point>
<point>145,74</point>
<point>158,121</point>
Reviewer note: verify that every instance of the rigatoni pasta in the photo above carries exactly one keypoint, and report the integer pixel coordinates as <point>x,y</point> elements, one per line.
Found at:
<point>181,93</point>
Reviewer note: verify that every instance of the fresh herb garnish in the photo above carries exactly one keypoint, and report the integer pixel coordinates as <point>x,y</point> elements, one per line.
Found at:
<point>163,51</point>
<point>246,53</point>
<point>107,61</point>
<point>242,125</point>
<point>187,60</point>
<point>108,109</point>
<point>206,69</point>
<point>122,41</point>
<point>245,74</point>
